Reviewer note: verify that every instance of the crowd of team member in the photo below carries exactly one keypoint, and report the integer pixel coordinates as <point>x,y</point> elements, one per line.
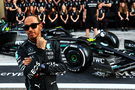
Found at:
<point>71,13</point>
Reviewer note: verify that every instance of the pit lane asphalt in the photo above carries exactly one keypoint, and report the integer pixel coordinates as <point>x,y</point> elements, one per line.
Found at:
<point>69,77</point>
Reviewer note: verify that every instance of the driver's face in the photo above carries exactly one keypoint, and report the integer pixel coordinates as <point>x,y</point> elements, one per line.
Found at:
<point>33,27</point>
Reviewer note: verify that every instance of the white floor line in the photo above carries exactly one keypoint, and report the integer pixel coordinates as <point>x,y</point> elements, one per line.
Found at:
<point>76,85</point>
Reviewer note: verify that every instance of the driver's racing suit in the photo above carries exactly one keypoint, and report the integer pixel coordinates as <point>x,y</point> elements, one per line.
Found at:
<point>46,64</point>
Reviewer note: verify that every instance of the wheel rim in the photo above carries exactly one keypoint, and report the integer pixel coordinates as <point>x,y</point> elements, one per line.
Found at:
<point>74,58</point>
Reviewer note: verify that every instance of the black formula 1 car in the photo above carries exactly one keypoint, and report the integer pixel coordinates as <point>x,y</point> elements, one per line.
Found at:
<point>101,53</point>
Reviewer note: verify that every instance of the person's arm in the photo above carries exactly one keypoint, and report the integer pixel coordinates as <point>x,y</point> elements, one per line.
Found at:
<point>103,15</point>
<point>77,18</point>
<point>28,64</point>
<point>7,6</point>
<point>35,6</point>
<point>11,9</point>
<point>71,17</point>
<point>17,20</point>
<point>127,15</point>
<point>23,19</point>
<point>59,67</point>
<point>84,15</point>
<point>106,4</point>
<point>39,17</point>
<point>50,18</point>
<point>37,9</point>
<point>16,7</point>
<point>74,20</point>
<point>130,13</point>
<point>81,8</point>
<point>62,18</point>
<point>46,1</point>
<point>121,18</point>
<point>56,16</point>
<point>55,2</point>
<point>44,18</point>
<point>26,8</point>
<point>67,18</point>
<point>97,14</point>
<point>34,9</point>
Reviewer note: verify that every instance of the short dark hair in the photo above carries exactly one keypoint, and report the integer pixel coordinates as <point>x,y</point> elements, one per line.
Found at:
<point>36,17</point>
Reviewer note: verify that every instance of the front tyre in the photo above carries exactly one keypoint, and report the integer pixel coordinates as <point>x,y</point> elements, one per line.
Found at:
<point>79,57</point>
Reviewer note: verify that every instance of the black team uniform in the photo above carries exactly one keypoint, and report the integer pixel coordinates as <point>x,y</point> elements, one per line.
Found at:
<point>50,5</point>
<point>13,15</point>
<point>102,22</point>
<point>41,15</point>
<point>46,64</point>
<point>75,15</point>
<point>91,18</point>
<point>108,13</point>
<point>64,15</point>
<point>41,4</point>
<point>8,12</point>
<point>22,6</point>
<point>52,15</point>
<point>20,16</point>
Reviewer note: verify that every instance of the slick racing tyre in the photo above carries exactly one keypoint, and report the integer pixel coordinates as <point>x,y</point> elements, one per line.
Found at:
<point>108,39</point>
<point>115,39</point>
<point>78,56</point>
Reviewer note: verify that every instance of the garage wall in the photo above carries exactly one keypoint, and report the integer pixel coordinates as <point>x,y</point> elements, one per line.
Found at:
<point>2,12</point>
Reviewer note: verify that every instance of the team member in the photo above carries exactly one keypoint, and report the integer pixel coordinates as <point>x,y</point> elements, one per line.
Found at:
<point>32,5</point>
<point>106,4</point>
<point>132,14</point>
<point>64,17</point>
<point>20,16</point>
<point>22,4</point>
<point>74,17</point>
<point>50,5</point>
<point>42,15</point>
<point>100,15</point>
<point>13,10</point>
<point>61,3</point>
<point>91,17</point>
<point>8,11</point>
<point>39,59</point>
<point>53,18</point>
<point>123,14</point>
<point>41,4</point>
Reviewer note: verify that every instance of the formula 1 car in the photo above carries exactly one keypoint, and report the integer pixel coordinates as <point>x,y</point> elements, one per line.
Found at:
<point>8,39</point>
<point>101,53</point>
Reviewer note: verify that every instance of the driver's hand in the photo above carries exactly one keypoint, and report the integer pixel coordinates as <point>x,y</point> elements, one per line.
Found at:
<point>27,60</point>
<point>41,42</point>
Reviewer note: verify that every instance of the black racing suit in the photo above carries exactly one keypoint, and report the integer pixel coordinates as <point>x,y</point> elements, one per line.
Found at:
<point>46,64</point>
